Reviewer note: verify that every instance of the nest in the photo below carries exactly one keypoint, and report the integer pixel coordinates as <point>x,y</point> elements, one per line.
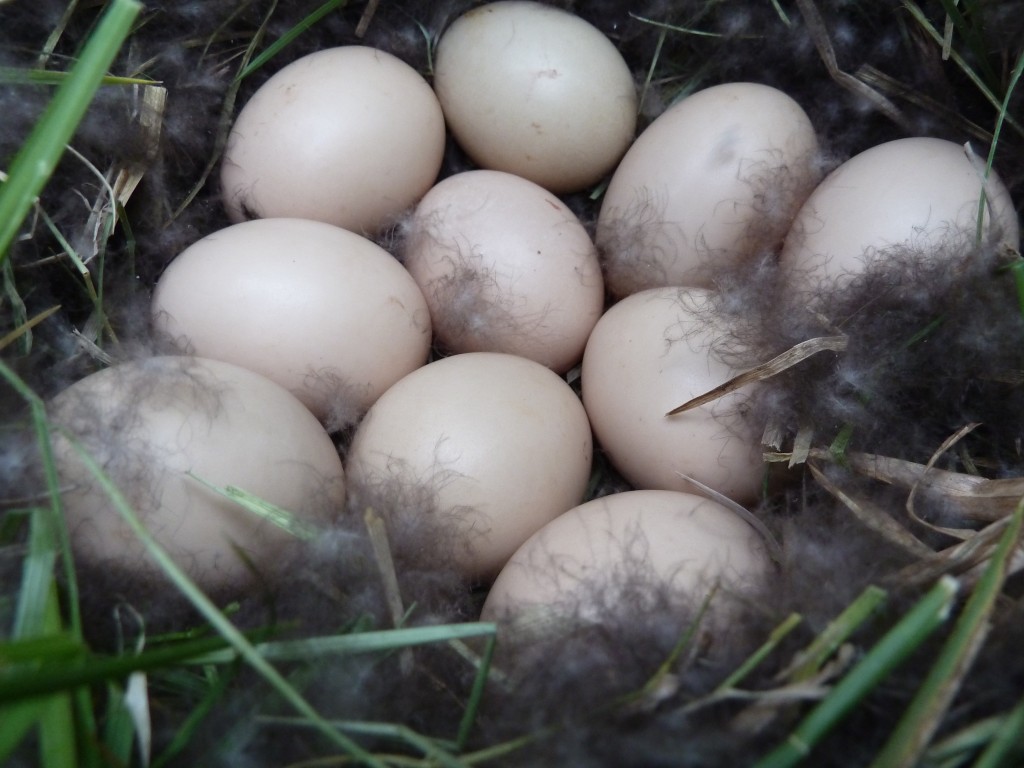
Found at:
<point>893,421</point>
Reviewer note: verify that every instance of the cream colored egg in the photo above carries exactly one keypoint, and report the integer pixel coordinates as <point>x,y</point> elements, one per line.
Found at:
<point>648,354</point>
<point>536,91</point>
<point>505,266</point>
<point>499,445</point>
<point>919,192</point>
<point>715,179</point>
<point>324,312</point>
<point>162,426</point>
<point>624,553</point>
<point>351,136</point>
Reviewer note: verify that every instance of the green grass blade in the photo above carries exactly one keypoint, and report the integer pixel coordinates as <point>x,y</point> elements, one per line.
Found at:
<point>26,326</point>
<point>1017,268</point>
<point>19,312</point>
<point>809,661</point>
<point>54,648</point>
<point>920,17</point>
<point>183,737</point>
<point>777,635</point>
<point>922,717</point>
<point>17,720</point>
<point>40,591</point>
<point>655,682</point>
<point>360,642</point>
<point>1007,746</point>
<point>913,629</point>
<point>17,76</point>
<point>119,729</point>
<point>974,40</point>
<point>282,42</point>
<point>477,693</point>
<point>57,738</point>
<point>17,683</point>
<point>38,157</point>
<point>1000,119</point>
<point>36,577</point>
<point>433,749</point>
<point>955,749</point>
<point>272,513</point>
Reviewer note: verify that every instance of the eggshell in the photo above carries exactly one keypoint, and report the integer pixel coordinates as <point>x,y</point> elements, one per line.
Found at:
<point>713,180</point>
<point>648,354</point>
<point>536,91</point>
<point>921,192</point>
<point>501,443</point>
<point>149,424</point>
<point>351,136</point>
<point>325,313</point>
<point>623,553</point>
<point>505,266</point>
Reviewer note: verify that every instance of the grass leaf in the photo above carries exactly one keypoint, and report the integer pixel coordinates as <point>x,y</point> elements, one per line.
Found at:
<point>278,45</point>
<point>922,717</point>
<point>38,157</point>
<point>913,629</point>
<point>1007,744</point>
<point>809,661</point>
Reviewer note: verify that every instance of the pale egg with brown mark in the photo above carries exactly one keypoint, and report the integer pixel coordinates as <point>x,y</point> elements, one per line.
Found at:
<point>716,179</point>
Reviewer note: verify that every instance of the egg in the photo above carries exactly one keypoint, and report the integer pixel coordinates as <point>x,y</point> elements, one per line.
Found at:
<point>505,266</point>
<point>536,91</point>
<point>648,354</point>
<point>714,180</point>
<point>163,427</point>
<point>326,313</point>
<point>351,136</point>
<point>634,551</point>
<point>917,192</point>
<point>497,444</point>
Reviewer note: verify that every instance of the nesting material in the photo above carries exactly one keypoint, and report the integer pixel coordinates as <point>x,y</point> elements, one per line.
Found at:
<point>892,421</point>
<point>927,194</point>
